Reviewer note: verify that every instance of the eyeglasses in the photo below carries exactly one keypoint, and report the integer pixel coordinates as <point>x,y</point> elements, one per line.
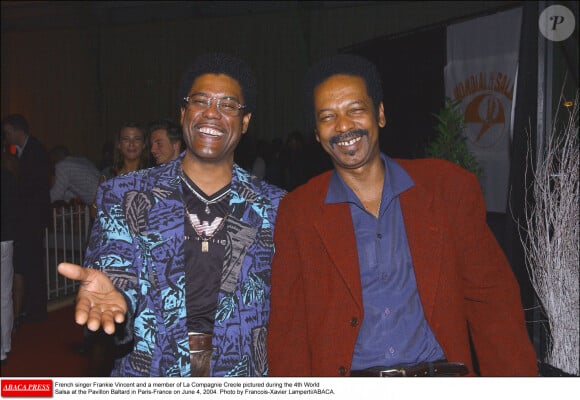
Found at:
<point>225,105</point>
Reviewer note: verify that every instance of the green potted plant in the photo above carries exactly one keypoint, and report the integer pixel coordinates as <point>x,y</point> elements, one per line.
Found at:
<point>449,143</point>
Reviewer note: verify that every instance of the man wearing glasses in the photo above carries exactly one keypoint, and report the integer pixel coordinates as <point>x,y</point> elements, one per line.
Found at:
<point>179,258</point>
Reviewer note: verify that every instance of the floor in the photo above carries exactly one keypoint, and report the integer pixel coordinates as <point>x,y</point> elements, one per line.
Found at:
<point>53,348</point>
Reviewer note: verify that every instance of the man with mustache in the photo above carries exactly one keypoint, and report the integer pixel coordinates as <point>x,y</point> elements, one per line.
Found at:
<point>178,264</point>
<point>386,267</point>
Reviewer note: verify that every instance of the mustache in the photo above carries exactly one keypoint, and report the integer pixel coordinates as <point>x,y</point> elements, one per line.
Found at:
<point>341,137</point>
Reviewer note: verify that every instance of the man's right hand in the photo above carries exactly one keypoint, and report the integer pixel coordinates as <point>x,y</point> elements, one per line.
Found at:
<point>98,302</point>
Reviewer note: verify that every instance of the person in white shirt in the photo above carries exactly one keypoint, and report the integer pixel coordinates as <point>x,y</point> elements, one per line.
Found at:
<point>74,177</point>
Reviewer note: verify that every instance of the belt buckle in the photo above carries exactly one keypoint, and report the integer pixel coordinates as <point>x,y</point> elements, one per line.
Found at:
<point>393,372</point>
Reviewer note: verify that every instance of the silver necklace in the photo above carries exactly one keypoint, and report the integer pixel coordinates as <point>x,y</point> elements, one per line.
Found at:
<point>200,197</point>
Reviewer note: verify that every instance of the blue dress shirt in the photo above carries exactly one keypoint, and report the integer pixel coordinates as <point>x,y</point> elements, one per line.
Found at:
<point>394,331</point>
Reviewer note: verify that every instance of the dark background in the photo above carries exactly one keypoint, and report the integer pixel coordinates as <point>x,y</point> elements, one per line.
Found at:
<point>78,70</point>
<point>413,87</point>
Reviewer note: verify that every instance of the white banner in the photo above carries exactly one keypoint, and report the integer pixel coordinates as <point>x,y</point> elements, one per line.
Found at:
<point>481,72</point>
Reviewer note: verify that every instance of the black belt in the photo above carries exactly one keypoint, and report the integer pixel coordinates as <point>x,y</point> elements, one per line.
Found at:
<point>437,368</point>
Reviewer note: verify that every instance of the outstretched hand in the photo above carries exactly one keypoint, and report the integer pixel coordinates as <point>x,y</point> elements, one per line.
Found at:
<point>98,302</point>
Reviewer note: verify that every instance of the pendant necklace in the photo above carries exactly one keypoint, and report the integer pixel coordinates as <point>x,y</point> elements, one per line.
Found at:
<point>200,197</point>
<point>203,230</point>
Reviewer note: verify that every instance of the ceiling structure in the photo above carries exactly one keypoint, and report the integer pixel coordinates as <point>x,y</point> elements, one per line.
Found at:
<point>42,15</point>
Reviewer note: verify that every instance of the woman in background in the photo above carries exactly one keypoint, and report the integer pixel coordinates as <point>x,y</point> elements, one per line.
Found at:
<point>131,152</point>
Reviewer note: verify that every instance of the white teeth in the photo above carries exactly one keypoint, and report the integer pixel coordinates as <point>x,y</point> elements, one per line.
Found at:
<point>350,142</point>
<point>210,131</point>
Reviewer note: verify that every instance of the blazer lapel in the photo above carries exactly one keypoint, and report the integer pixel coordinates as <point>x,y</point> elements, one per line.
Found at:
<point>425,243</point>
<point>242,232</point>
<point>334,225</point>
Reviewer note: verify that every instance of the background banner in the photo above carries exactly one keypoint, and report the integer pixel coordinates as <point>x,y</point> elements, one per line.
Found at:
<point>481,72</point>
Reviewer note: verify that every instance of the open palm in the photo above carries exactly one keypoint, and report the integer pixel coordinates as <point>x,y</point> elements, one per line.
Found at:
<point>98,302</point>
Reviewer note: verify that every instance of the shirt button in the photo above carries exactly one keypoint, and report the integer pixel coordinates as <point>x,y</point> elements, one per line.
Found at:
<point>342,371</point>
<point>354,321</point>
<point>379,235</point>
<point>387,311</point>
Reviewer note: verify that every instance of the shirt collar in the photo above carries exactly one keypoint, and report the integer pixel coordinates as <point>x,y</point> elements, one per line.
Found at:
<point>396,182</point>
<point>20,149</point>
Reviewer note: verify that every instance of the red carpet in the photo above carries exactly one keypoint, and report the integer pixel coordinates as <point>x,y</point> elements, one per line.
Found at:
<point>49,349</point>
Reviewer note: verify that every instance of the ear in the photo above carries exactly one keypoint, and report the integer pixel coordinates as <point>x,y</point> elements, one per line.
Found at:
<point>246,122</point>
<point>382,119</point>
<point>182,115</point>
<point>316,135</point>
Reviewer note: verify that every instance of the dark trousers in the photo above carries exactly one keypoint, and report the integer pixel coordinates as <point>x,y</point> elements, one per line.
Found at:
<point>29,262</point>
<point>100,351</point>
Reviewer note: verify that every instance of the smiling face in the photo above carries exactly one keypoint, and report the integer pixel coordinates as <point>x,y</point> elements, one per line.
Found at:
<point>131,143</point>
<point>210,135</point>
<point>162,149</point>
<point>347,125</point>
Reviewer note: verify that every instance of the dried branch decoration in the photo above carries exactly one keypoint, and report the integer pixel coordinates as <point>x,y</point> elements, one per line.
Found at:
<point>550,239</point>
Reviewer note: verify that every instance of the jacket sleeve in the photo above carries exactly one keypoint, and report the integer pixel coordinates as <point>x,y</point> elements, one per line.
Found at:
<point>111,249</point>
<point>491,293</point>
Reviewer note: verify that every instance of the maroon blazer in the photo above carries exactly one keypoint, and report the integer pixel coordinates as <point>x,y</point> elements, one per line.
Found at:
<point>464,280</point>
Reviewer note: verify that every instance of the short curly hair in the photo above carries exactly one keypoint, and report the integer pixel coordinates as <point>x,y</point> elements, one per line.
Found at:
<point>341,64</point>
<point>221,63</point>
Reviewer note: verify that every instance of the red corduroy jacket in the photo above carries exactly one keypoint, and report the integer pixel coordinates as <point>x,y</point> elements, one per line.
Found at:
<point>463,278</point>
